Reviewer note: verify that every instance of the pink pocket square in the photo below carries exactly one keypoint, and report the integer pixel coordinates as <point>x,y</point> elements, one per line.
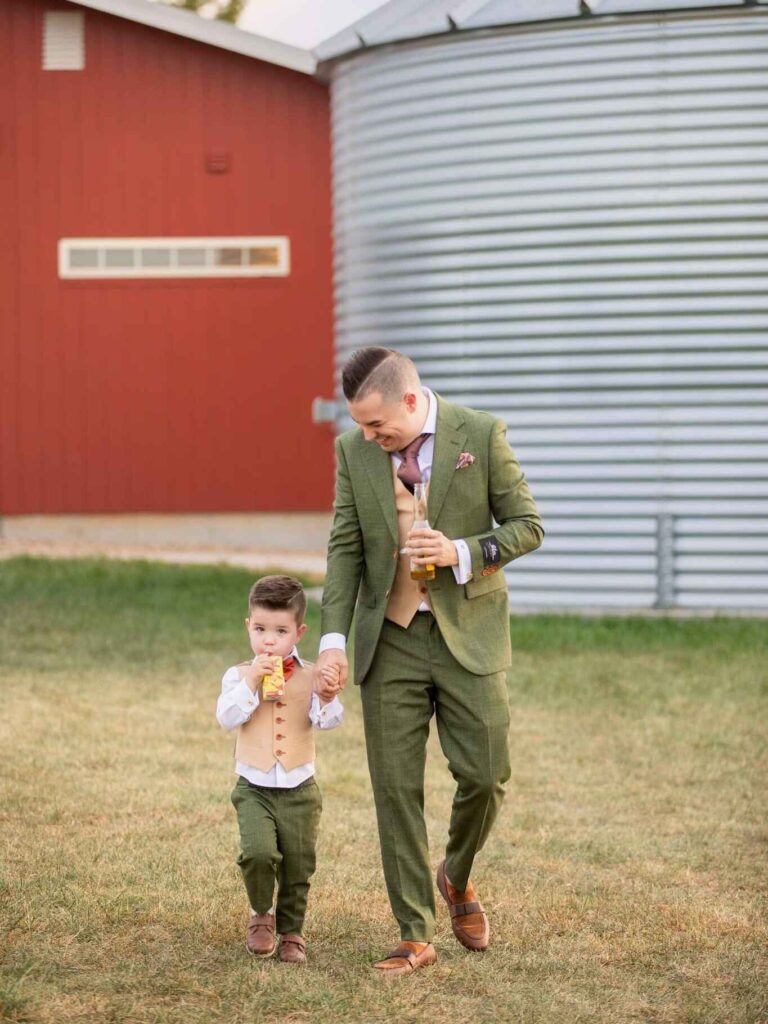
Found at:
<point>465,459</point>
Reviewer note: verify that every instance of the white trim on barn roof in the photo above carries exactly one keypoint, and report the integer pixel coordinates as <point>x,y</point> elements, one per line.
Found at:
<point>400,20</point>
<point>205,30</point>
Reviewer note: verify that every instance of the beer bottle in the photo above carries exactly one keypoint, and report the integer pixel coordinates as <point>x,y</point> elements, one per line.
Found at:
<point>420,521</point>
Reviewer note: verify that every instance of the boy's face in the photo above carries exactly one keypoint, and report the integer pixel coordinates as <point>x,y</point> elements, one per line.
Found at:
<point>273,631</point>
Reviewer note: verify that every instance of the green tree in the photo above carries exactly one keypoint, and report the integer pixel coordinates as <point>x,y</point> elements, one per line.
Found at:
<point>225,10</point>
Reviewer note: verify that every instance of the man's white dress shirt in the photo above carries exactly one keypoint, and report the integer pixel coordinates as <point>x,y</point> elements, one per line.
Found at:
<point>463,571</point>
<point>237,702</point>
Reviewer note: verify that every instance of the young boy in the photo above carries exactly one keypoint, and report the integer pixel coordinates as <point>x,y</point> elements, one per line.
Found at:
<point>276,797</point>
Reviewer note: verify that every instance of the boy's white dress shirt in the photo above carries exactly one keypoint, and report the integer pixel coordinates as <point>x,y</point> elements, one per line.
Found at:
<point>237,702</point>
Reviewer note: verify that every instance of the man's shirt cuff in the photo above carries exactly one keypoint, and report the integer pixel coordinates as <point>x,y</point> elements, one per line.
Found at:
<point>463,571</point>
<point>332,641</point>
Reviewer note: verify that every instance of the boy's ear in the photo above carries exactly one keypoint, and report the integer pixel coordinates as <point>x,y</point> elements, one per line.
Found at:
<point>301,631</point>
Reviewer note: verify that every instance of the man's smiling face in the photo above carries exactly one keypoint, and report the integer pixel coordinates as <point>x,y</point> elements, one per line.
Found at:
<point>391,424</point>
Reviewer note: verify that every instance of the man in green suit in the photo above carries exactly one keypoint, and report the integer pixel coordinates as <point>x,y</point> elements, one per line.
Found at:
<point>426,647</point>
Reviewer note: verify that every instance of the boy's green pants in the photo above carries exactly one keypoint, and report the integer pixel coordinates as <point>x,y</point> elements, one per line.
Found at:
<point>412,677</point>
<point>278,834</point>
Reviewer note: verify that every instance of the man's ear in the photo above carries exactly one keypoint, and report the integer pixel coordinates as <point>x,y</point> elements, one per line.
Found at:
<point>411,401</point>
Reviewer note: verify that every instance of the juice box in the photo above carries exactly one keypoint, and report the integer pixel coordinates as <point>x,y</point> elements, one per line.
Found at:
<point>273,685</point>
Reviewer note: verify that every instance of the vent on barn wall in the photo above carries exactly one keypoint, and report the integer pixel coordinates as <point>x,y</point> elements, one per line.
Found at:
<point>63,41</point>
<point>174,257</point>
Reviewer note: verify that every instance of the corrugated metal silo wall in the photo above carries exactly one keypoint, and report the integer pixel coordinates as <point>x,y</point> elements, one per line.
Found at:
<point>567,228</point>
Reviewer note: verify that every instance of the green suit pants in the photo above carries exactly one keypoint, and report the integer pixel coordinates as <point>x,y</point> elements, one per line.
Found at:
<point>278,834</point>
<point>413,676</point>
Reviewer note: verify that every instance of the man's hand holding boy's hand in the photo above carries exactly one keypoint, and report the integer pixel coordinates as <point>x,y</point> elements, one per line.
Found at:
<point>328,682</point>
<point>332,657</point>
<point>262,665</point>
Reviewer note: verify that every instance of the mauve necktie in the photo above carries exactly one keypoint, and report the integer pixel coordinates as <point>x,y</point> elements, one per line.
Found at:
<point>408,471</point>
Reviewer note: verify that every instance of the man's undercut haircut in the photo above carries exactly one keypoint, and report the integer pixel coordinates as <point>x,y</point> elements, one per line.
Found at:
<point>279,593</point>
<point>384,370</point>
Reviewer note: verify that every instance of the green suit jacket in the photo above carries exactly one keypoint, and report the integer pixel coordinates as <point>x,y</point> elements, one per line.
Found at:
<point>463,503</point>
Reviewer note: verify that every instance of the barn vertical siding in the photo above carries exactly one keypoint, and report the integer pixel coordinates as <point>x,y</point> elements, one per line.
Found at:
<point>160,395</point>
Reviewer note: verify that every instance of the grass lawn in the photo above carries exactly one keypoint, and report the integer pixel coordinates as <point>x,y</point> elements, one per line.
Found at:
<point>626,877</point>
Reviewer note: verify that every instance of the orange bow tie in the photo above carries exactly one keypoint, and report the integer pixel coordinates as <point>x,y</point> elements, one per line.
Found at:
<point>289,664</point>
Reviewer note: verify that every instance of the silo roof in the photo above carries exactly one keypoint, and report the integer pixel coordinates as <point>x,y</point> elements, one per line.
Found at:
<point>401,20</point>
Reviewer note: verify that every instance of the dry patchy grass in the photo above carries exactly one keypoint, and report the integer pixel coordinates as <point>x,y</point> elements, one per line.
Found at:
<point>625,877</point>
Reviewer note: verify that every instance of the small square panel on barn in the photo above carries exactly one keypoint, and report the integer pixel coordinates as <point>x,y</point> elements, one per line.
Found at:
<point>63,41</point>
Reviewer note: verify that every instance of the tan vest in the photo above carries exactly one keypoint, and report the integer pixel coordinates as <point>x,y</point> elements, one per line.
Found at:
<point>406,594</point>
<point>280,730</point>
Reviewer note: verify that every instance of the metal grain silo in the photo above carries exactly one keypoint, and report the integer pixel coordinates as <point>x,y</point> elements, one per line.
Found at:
<point>564,222</point>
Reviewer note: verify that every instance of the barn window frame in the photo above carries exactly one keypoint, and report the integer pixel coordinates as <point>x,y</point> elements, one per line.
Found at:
<point>171,257</point>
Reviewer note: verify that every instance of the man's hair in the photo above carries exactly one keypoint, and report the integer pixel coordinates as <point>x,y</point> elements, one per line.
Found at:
<point>378,369</point>
<point>278,593</point>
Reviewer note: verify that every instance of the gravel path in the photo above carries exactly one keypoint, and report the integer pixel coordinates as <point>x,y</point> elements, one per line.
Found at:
<point>311,563</point>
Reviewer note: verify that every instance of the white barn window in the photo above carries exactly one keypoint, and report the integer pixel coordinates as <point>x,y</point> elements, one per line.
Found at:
<point>63,41</point>
<point>174,257</point>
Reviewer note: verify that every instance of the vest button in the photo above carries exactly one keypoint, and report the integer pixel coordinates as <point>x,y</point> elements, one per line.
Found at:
<point>279,704</point>
<point>279,719</point>
<point>278,752</point>
<point>279,736</point>
<point>423,590</point>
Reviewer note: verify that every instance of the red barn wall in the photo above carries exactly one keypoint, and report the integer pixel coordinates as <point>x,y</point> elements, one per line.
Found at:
<point>159,395</point>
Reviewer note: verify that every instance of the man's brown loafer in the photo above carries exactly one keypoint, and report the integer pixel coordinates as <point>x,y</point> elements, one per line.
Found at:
<point>406,959</point>
<point>293,949</point>
<point>260,937</point>
<point>468,918</point>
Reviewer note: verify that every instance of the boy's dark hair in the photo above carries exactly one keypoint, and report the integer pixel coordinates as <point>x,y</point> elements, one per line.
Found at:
<point>277,593</point>
<point>377,369</point>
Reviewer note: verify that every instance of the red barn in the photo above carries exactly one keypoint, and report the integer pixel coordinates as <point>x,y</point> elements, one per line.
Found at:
<point>165,264</point>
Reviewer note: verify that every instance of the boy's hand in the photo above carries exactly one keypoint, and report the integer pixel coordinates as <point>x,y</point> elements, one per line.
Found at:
<point>329,682</point>
<point>333,657</point>
<point>262,665</point>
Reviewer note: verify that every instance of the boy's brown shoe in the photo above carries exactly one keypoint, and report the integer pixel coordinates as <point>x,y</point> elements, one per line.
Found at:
<point>406,959</point>
<point>468,917</point>
<point>293,949</point>
<point>260,937</point>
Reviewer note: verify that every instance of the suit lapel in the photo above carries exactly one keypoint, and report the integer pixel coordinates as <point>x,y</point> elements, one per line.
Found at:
<point>449,439</point>
<point>379,468</point>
